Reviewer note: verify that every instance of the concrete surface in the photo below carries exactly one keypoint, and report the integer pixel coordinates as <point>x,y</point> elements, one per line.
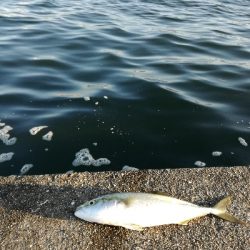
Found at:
<point>36,212</point>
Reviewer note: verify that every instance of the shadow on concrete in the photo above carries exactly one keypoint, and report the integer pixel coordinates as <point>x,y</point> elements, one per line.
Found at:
<point>46,200</point>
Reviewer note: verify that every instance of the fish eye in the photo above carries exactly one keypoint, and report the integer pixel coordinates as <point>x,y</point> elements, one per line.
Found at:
<point>91,203</point>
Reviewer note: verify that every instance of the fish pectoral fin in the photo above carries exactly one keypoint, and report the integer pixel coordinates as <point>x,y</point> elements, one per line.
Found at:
<point>184,223</point>
<point>133,227</point>
<point>127,201</point>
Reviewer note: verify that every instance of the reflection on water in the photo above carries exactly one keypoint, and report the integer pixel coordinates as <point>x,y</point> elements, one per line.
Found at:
<point>149,84</point>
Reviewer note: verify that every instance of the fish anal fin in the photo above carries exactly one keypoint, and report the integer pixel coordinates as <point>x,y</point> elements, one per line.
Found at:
<point>133,227</point>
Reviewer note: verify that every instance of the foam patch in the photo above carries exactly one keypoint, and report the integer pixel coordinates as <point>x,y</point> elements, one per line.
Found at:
<point>5,136</point>
<point>48,136</point>
<point>83,157</point>
<point>70,172</point>
<point>35,130</point>
<point>86,98</point>
<point>200,164</point>
<point>242,142</point>
<point>26,168</point>
<point>128,168</point>
<point>6,157</point>
<point>101,161</point>
<point>216,153</point>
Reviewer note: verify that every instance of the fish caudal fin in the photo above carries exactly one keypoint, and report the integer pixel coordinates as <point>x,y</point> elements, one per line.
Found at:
<point>220,210</point>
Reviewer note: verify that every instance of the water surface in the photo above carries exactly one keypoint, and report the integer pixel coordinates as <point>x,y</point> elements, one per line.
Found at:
<point>175,76</point>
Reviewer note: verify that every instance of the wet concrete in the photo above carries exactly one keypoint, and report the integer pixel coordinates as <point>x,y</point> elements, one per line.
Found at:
<point>36,212</point>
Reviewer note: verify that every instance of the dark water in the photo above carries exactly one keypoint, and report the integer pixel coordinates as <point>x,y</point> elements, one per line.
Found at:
<point>176,74</point>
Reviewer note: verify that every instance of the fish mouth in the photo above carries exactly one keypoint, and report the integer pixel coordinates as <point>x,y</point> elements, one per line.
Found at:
<point>77,213</point>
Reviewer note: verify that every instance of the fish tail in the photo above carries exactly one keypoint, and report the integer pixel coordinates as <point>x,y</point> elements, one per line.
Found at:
<point>220,210</point>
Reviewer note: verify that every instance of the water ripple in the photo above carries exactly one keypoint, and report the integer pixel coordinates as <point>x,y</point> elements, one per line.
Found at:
<point>154,83</point>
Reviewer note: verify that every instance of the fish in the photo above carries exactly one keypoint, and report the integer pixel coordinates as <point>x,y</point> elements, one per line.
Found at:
<point>137,210</point>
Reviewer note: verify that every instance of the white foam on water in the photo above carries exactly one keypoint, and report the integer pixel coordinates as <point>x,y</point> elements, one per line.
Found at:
<point>70,172</point>
<point>101,161</point>
<point>95,143</point>
<point>216,153</point>
<point>6,129</point>
<point>96,103</point>
<point>83,157</point>
<point>5,136</point>
<point>86,98</point>
<point>200,164</point>
<point>11,141</point>
<point>35,130</point>
<point>242,142</point>
<point>2,124</point>
<point>25,168</point>
<point>6,156</point>
<point>128,168</point>
<point>105,97</point>
<point>48,136</point>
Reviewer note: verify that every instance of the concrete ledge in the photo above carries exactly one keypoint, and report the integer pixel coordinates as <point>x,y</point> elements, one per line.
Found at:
<point>36,212</point>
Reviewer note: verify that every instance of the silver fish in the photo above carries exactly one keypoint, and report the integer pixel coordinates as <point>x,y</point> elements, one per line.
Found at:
<point>138,210</point>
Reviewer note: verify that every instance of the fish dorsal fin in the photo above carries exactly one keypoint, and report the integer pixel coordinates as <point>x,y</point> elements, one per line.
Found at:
<point>159,193</point>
